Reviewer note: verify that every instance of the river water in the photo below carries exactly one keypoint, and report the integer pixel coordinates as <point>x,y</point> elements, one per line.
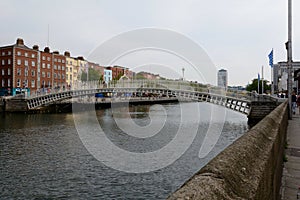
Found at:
<point>42,156</point>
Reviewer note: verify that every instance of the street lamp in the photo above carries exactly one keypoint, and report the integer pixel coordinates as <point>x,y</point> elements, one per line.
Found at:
<point>289,58</point>
<point>183,73</point>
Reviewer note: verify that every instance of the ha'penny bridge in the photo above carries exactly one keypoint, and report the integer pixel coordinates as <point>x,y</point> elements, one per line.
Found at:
<point>253,105</point>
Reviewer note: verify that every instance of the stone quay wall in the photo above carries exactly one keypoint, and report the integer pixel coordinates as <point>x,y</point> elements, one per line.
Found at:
<point>250,168</point>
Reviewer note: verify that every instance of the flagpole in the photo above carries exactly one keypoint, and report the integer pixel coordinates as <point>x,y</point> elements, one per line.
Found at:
<point>262,79</point>
<point>258,81</point>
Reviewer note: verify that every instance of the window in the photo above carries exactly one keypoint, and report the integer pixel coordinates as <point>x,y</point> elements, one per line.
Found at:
<point>3,53</point>
<point>48,58</point>
<point>55,67</point>
<point>43,74</point>
<point>3,82</point>
<point>67,69</point>
<point>8,71</point>
<point>63,61</point>
<point>43,58</point>
<point>58,75</point>
<point>71,62</point>
<point>54,75</point>
<point>19,72</point>
<point>63,76</point>
<point>3,72</point>
<point>26,72</point>
<point>9,53</point>
<point>8,61</point>
<point>48,66</point>
<point>59,60</point>
<point>33,63</point>
<point>18,62</point>
<point>32,83</point>
<point>48,74</point>
<point>43,65</point>
<point>26,62</point>
<point>3,62</point>
<point>26,54</point>
<point>8,82</point>
<point>32,55</point>
<point>26,83</point>
<point>49,84</point>
<point>55,59</point>
<point>32,73</point>
<point>70,76</point>
<point>18,83</point>
<point>19,53</point>
<point>58,67</point>
<point>62,67</point>
<point>70,69</point>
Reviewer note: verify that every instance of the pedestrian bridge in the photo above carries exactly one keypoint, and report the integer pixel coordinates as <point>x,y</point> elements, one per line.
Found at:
<point>182,90</point>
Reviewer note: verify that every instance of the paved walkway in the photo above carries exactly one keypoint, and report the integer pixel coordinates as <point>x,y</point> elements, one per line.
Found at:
<point>291,171</point>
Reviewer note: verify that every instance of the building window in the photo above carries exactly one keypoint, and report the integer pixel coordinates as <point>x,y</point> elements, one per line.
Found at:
<point>19,72</point>
<point>71,62</point>
<point>8,71</point>
<point>3,62</point>
<point>8,61</point>
<point>26,71</point>
<point>19,53</point>
<point>48,58</point>
<point>8,82</point>
<point>26,83</point>
<point>55,60</point>
<point>48,66</point>
<point>26,62</point>
<point>3,82</point>
<point>32,73</point>
<point>3,72</point>
<point>63,76</point>
<point>70,76</point>
<point>63,61</point>
<point>18,62</point>
<point>26,54</point>
<point>3,53</point>
<point>18,83</point>
<point>59,60</point>
<point>32,83</point>
<point>55,67</point>
<point>49,84</point>
<point>58,75</point>
<point>62,68</point>
<point>33,63</point>
<point>58,67</point>
<point>48,74</point>
<point>32,56</point>
<point>9,53</point>
<point>43,58</point>
<point>43,74</point>
<point>43,65</point>
<point>67,69</point>
<point>54,75</point>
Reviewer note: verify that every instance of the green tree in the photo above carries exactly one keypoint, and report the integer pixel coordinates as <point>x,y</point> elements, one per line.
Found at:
<point>254,86</point>
<point>94,75</point>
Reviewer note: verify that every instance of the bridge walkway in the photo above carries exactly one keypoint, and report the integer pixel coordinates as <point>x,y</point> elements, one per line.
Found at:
<point>291,171</point>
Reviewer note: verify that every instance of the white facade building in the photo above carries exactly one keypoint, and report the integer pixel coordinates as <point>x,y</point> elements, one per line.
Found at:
<point>222,78</point>
<point>107,75</point>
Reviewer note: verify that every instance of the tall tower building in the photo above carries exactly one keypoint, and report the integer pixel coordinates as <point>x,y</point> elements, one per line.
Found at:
<point>222,78</point>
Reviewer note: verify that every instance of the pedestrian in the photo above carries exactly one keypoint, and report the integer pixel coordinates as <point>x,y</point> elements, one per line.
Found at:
<point>298,102</point>
<point>294,99</point>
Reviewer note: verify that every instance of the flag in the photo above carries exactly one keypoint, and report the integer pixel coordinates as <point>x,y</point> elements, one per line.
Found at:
<point>271,58</point>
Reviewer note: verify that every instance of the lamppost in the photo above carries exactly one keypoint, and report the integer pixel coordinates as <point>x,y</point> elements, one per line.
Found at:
<point>183,73</point>
<point>289,58</point>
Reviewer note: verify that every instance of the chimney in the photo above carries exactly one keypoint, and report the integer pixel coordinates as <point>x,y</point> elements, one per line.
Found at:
<point>80,58</point>
<point>55,52</point>
<point>67,54</point>
<point>35,47</point>
<point>20,42</point>
<point>47,50</point>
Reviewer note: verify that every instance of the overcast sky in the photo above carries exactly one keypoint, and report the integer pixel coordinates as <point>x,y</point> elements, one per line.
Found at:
<point>237,35</point>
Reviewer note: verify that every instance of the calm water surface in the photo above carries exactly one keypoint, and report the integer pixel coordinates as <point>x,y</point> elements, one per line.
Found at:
<point>42,156</point>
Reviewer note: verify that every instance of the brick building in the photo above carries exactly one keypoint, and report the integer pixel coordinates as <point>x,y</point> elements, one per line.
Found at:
<point>25,69</point>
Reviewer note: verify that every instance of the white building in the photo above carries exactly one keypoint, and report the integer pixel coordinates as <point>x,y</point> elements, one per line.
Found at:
<point>107,75</point>
<point>222,78</point>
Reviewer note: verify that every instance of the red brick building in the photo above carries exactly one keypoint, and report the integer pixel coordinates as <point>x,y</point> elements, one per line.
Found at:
<point>28,69</point>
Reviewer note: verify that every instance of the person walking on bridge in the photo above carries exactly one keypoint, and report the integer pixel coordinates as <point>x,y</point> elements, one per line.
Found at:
<point>298,102</point>
<point>294,99</point>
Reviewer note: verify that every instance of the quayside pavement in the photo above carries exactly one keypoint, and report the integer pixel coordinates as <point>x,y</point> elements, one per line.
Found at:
<point>291,171</point>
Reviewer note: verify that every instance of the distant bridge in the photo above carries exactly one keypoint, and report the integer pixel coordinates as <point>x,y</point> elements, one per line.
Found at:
<point>242,102</point>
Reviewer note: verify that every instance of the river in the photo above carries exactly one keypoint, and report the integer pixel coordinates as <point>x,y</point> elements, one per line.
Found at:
<point>42,156</point>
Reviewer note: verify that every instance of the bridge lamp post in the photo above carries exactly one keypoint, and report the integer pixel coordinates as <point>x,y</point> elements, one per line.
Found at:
<point>183,73</point>
<point>289,58</point>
